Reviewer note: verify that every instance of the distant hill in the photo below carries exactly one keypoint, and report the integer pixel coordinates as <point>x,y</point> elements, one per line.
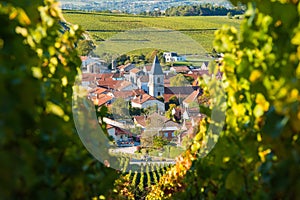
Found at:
<point>134,6</point>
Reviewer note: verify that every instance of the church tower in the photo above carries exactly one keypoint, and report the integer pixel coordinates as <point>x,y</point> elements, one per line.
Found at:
<point>156,79</point>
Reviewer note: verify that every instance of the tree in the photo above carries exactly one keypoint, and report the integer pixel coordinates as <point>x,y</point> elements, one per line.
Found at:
<point>40,152</point>
<point>120,109</point>
<point>174,100</point>
<point>86,47</point>
<point>179,80</point>
<point>161,99</point>
<point>169,114</point>
<point>159,142</point>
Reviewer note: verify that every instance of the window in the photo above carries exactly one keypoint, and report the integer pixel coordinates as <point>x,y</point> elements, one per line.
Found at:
<point>158,94</point>
<point>166,134</point>
<point>158,80</point>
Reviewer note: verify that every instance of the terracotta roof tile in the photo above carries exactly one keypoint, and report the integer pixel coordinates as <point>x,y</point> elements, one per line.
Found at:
<point>102,99</point>
<point>144,79</point>
<point>107,83</point>
<point>134,70</point>
<point>122,84</point>
<point>143,98</point>
<point>180,69</point>
<point>141,120</point>
<point>193,97</point>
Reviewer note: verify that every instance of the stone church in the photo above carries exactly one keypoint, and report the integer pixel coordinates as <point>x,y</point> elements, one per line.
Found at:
<point>156,79</point>
<point>150,79</point>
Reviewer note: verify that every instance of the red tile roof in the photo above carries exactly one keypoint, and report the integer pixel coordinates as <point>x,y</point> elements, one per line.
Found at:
<point>102,99</point>
<point>122,84</point>
<point>126,94</point>
<point>90,76</point>
<point>120,131</point>
<point>123,94</point>
<point>141,120</point>
<point>106,76</point>
<point>180,69</point>
<point>107,83</point>
<point>143,98</point>
<point>123,66</point>
<point>99,90</point>
<point>134,70</point>
<point>83,58</point>
<point>193,97</point>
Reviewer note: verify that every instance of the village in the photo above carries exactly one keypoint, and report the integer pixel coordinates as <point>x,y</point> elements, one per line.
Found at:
<point>148,114</point>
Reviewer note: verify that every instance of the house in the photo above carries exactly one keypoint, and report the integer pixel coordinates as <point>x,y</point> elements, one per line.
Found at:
<point>107,83</point>
<point>93,65</point>
<point>102,99</point>
<point>179,92</point>
<point>134,74</point>
<point>126,95</point>
<point>147,69</point>
<point>145,101</point>
<point>125,86</point>
<point>169,129</point>
<point>140,121</point>
<point>126,68</point>
<point>173,57</point>
<point>180,69</point>
<point>94,93</point>
<point>159,125</point>
<point>118,134</point>
<point>142,83</point>
<point>192,98</point>
<point>89,80</point>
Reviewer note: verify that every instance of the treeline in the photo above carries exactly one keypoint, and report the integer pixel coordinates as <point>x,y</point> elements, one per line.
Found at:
<point>198,10</point>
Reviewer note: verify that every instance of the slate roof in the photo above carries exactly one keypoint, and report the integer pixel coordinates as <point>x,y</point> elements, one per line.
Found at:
<point>156,67</point>
<point>183,92</point>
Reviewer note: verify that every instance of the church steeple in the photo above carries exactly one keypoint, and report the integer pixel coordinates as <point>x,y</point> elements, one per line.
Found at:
<point>156,79</point>
<point>156,67</point>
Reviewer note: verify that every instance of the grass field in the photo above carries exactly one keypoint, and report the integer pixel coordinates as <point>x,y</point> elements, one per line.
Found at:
<point>118,34</point>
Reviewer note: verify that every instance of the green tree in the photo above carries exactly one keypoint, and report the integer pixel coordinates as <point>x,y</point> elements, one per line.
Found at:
<point>120,109</point>
<point>169,113</point>
<point>86,47</point>
<point>174,100</point>
<point>40,152</point>
<point>179,80</point>
<point>159,142</point>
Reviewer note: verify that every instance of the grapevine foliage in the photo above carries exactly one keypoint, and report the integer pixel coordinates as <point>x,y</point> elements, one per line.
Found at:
<point>40,152</point>
<point>257,155</point>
